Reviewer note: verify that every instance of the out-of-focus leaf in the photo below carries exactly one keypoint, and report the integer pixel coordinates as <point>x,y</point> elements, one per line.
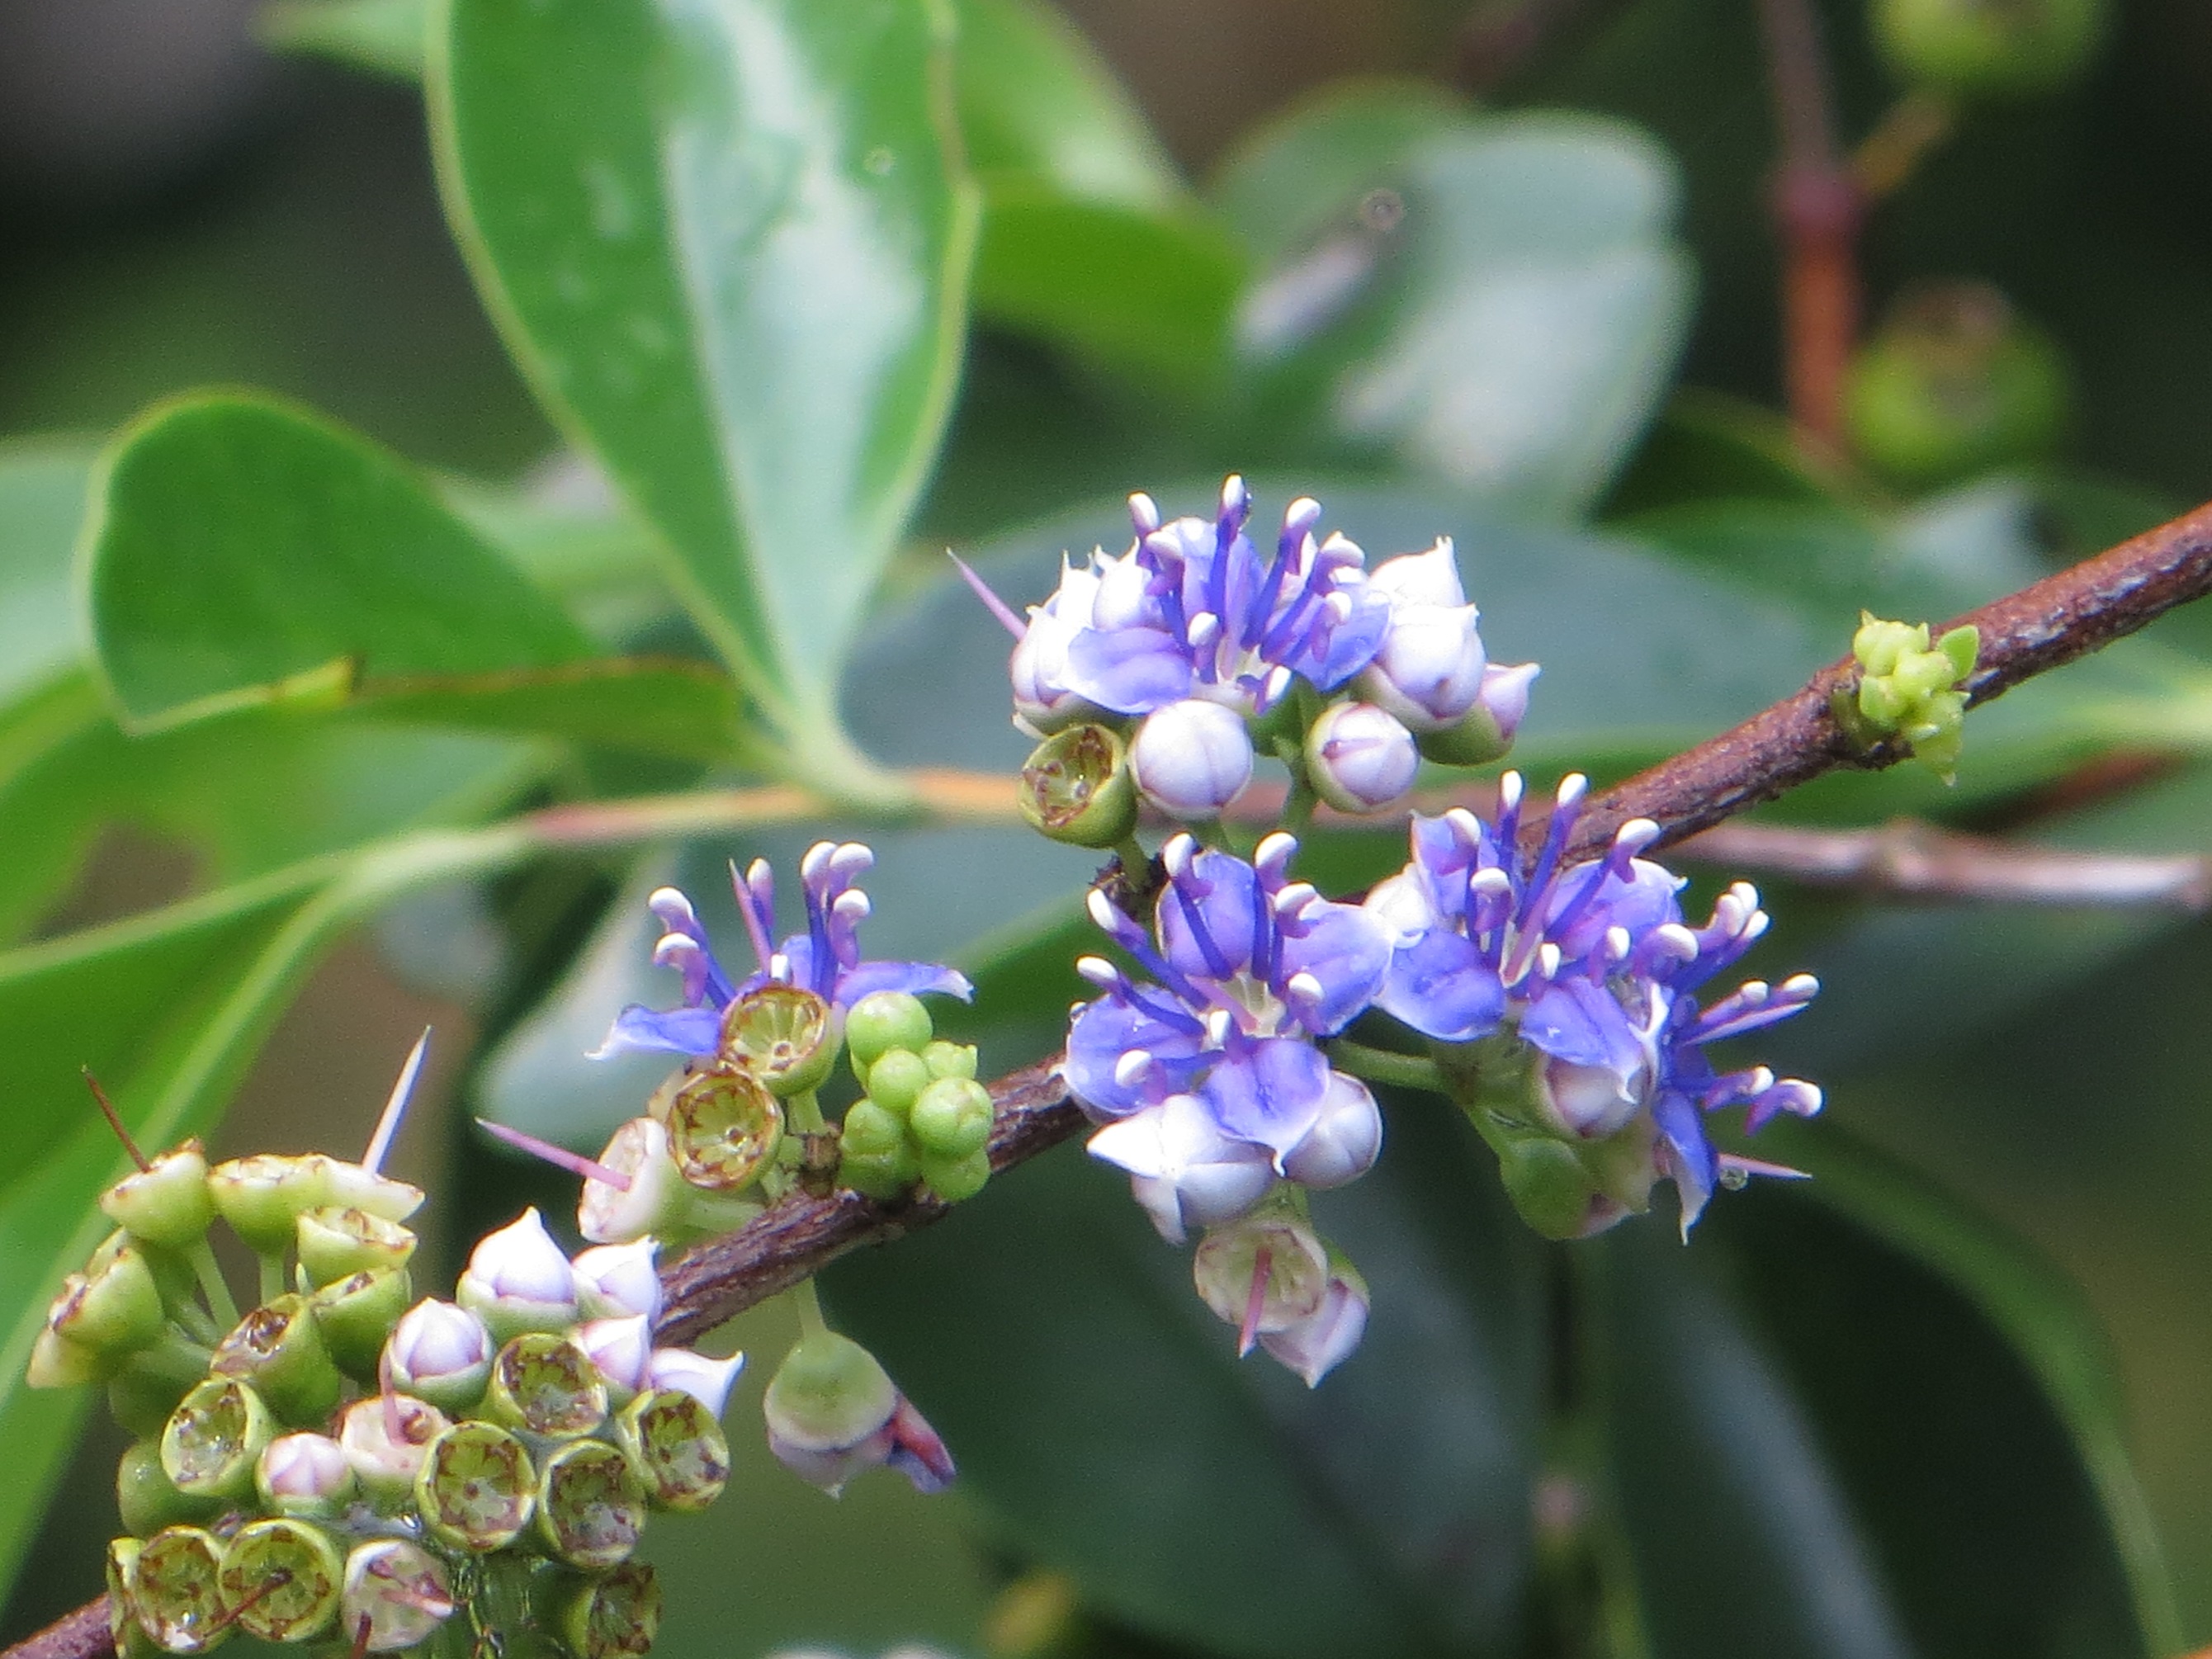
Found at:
<point>1037,101</point>
<point>1224,1504</point>
<point>1850,1422</point>
<point>385,37</point>
<point>1705,445</point>
<point>1493,303</point>
<point>42,492</point>
<point>1133,289</point>
<point>242,552</point>
<point>732,244</point>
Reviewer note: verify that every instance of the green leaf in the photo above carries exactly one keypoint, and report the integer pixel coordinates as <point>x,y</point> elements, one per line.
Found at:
<point>1219,1503</point>
<point>1133,288</point>
<point>730,245</point>
<point>1493,303</point>
<point>1037,101</point>
<point>1848,1420</point>
<point>1706,444</point>
<point>245,552</point>
<point>385,37</point>
<point>42,492</point>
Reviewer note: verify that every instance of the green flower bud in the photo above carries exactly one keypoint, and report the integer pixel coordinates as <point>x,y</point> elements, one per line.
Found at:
<point>1077,786</point>
<point>336,1243</point>
<point>613,1617</point>
<point>785,1035</point>
<point>212,1438</point>
<point>356,1314</point>
<point>676,1447</point>
<point>400,1589</point>
<point>884,1020</point>
<point>166,1203</point>
<point>1279,1255</point>
<point>956,1180</point>
<point>282,1580</point>
<point>723,1128</point>
<point>591,1505</point>
<point>115,1310</point>
<point>896,1079</point>
<point>1907,691</point>
<point>176,1589</point>
<point>1953,384</point>
<point>829,1393</point>
<point>279,1350</point>
<point>546,1385</point>
<point>148,1385</point>
<point>306,1476</point>
<point>876,1157</point>
<point>261,1196</point>
<point>148,1500</point>
<point>1977,48</point>
<point>953,1118</point>
<point>950,1059</point>
<point>385,1438</point>
<point>58,1363</point>
<point>477,1487</point>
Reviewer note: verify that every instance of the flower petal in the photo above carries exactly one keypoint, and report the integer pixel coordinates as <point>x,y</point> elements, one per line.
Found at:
<point>1130,670</point>
<point>1272,1095</point>
<point>1349,951</point>
<point>670,1030</point>
<point>1441,986</point>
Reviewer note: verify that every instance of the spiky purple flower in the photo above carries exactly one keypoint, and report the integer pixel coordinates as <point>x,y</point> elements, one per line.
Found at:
<point>825,959</point>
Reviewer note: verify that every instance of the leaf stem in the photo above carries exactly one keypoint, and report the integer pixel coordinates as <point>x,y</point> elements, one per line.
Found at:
<point>808,1303</point>
<point>212,1286</point>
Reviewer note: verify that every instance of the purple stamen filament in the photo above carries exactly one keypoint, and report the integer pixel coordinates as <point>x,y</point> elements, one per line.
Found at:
<point>559,1156</point>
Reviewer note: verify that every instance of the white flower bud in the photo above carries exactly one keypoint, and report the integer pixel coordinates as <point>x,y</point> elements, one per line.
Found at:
<point>655,1199</point>
<point>1043,703</point>
<point>615,1280</point>
<point>1360,758</point>
<point>1320,1341</point>
<point>1431,577</point>
<point>621,1348</point>
<point>440,1352</point>
<point>1505,694</point>
<point>1182,1168</point>
<point>706,1379</point>
<point>1589,1101</point>
<point>304,1474</point>
<point>518,1280</point>
<point>1429,670</point>
<point>1344,1141</point>
<point>1191,758</point>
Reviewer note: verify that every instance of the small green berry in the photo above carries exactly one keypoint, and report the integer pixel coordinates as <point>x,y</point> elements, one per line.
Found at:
<point>953,1118</point>
<point>957,1179</point>
<point>951,1059</point>
<point>896,1079</point>
<point>885,1020</point>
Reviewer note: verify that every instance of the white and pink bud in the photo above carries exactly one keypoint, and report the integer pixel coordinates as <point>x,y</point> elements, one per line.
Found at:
<point>1182,1168</point>
<point>621,1350</point>
<point>1191,758</point>
<point>705,1378</point>
<point>441,1352</point>
<point>1345,1141</point>
<point>1325,1338</point>
<point>518,1280</point>
<point>305,1474</point>
<point>1360,758</point>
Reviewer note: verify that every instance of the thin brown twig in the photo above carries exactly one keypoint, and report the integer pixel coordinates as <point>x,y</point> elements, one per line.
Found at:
<point>1909,859</point>
<point>2041,627</point>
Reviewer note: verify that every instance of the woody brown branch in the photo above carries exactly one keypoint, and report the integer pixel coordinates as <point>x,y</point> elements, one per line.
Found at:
<point>2040,628</point>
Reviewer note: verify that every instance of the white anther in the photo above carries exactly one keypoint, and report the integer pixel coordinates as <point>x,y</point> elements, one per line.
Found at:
<point>1234,497</point>
<point>1293,899</point>
<point>1303,988</point>
<point>850,859</point>
<point>1205,628</point>
<point>816,861</point>
<point>1490,883</point>
<point>1143,513</point>
<point>1129,1069</point>
<point>1272,855</point>
<point>1754,992</point>
<point>779,967</point>
<point>1616,944</point>
<point>1801,987</point>
<point>1103,913</point>
<point>673,908</point>
<point>1761,1080</point>
<point>1572,788</point>
<point>1218,1024</point>
<point>1754,925</point>
<point>1804,1098</point>
<point>1508,791</point>
<point>1635,836</point>
<point>1301,515</point>
<point>1275,687</point>
<point>1177,853</point>
<point>1099,971</point>
<point>1339,606</point>
<point>1674,939</point>
<point>1547,960</point>
<point>674,948</point>
<point>759,877</point>
<point>1465,825</point>
<point>852,905</point>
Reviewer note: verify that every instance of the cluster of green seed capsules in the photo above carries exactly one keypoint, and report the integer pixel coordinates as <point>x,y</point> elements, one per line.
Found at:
<point>734,1132</point>
<point>346,1465</point>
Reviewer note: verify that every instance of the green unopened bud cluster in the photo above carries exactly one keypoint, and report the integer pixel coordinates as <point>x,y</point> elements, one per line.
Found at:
<point>1908,691</point>
<point>924,1117</point>
<point>344,1465</point>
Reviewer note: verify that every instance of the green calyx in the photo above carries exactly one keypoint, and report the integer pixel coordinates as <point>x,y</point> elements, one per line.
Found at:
<point>1565,1185</point>
<point>546,1385</point>
<point>615,1616</point>
<point>786,1037</point>
<point>723,1128</point>
<point>1908,691</point>
<point>1077,787</point>
<point>166,1203</point>
<point>477,1488</point>
<point>591,1505</point>
<point>279,1350</point>
<point>214,1437</point>
<point>336,1241</point>
<point>282,1581</point>
<point>355,1315</point>
<point>829,1393</point>
<point>175,1589</point>
<point>147,1386</point>
<point>676,1447</point>
<point>148,1500</point>
<point>261,1197</point>
<point>115,1309</point>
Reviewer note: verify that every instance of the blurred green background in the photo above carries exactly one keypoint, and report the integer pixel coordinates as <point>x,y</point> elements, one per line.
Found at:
<point>179,207</point>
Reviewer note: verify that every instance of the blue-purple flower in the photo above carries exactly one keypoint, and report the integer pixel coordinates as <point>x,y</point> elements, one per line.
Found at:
<point>1594,967</point>
<point>1247,969</point>
<point>825,958</point>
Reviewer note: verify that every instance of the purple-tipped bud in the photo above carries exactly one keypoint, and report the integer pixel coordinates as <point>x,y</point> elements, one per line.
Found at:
<point>833,1412</point>
<point>400,1592</point>
<point>1345,1141</point>
<point>1320,1341</point>
<point>518,1280</point>
<point>621,1349</point>
<point>384,1437</point>
<point>1485,732</point>
<point>305,1474</point>
<point>441,1352</point>
<point>706,1379</point>
<point>1182,1168</point>
<point>617,1280</point>
<point>1191,758</point>
<point>1360,758</point>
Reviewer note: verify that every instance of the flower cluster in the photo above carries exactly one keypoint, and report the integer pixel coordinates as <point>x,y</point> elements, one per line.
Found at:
<point>1193,643</point>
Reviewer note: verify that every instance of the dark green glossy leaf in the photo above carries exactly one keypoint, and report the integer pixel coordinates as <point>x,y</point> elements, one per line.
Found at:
<point>731,244</point>
<point>245,552</point>
<point>385,37</point>
<point>1705,445</point>
<point>1219,1503</point>
<point>1492,303</point>
<point>1848,1420</point>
